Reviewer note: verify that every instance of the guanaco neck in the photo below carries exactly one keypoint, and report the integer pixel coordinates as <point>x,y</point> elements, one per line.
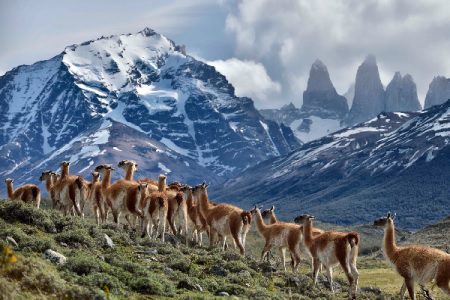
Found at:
<point>190,200</point>
<point>49,183</point>
<point>203,202</point>
<point>273,218</point>
<point>260,225</point>
<point>390,246</point>
<point>64,171</point>
<point>10,189</point>
<point>162,184</point>
<point>307,232</point>
<point>106,181</point>
<point>130,173</point>
<point>94,180</point>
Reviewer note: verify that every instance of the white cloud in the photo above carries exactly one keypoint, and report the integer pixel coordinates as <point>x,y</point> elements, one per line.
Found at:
<point>250,79</point>
<point>288,35</point>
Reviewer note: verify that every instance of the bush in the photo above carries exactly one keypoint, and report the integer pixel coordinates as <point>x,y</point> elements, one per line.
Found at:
<point>35,274</point>
<point>83,264</point>
<point>76,238</point>
<point>152,285</point>
<point>18,211</point>
<point>102,280</point>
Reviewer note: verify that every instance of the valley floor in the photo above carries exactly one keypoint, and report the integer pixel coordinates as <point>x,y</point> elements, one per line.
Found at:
<point>136,268</point>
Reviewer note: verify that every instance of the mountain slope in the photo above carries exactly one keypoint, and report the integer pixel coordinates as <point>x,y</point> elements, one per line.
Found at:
<point>396,162</point>
<point>145,82</point>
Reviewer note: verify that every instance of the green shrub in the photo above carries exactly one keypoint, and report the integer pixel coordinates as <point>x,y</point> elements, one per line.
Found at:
<point>18,211</point>
<point>152,285</point>
<point>82,264</point>
<point>102,280</point>
<point>75,238</point>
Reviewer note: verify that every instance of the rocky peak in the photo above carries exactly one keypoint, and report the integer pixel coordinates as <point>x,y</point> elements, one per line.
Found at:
<point>438,91</point>
<point>401,94</point>
<point>369,93</point>
<point>320,97</point>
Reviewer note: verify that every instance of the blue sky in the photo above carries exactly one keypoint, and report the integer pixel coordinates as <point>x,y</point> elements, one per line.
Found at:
<point>264,47</point>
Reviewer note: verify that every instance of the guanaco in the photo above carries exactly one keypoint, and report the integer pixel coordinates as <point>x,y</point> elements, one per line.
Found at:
<point>96,198</point>
<point>331,248</point>
<point>26,193</point>
<point>49,177</point>
<point>414,263</point>
<point>198,222</point>
<point>67,192</point>
<point>155,207</point>
<point>270,214</point>
<point>223,219</point>
<point>120,196</point>
<point>279,235</point>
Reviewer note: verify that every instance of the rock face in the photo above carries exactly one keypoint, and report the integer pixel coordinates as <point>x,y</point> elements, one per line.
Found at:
<point>322,111</point>
<point>401,94</point>
<point>285,115</point>
<point>172,106</point>
<point>320,98</point>
<point>369,98</point>
<point>438,92</point>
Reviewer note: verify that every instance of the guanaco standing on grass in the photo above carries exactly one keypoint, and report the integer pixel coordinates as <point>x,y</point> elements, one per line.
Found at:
<point>279,235</point>
<point>96,198</point>
<point>49,177</point>
<point>155,207</point>
<point>27,193</point>
<point>332,248</point>
<point>197,221</point>
<point>223,219</point>
<point>177,210</point>
<point>66,191</point>
<point>414,263</point>
<point>121,195</point>
<point>269,214</point>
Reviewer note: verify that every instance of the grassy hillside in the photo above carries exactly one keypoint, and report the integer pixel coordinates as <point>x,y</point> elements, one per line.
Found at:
<point>137,268</point>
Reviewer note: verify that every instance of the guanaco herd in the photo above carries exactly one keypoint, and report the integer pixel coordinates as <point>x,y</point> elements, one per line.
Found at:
<point>154,204</point>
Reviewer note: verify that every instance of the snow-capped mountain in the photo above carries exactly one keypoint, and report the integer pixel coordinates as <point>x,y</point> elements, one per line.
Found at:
<point>394,162</point>
<point>142,85</point>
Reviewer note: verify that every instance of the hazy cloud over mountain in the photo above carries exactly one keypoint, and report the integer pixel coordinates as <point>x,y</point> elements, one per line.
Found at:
<point>288,35</point>
<point>278,40</point>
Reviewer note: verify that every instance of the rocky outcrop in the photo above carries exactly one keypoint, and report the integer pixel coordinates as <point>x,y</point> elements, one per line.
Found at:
<point>368,101</point>
<point>320,97</point>
<point>401,94</point>
<point>438,92</point>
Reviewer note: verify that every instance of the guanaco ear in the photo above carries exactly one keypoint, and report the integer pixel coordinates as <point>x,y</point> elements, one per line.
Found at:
<point>272,208</point>
<point>389,215</point>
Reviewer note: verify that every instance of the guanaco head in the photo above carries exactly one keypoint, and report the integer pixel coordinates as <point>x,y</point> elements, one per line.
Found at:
<point>199,188</point>
<point>95,176</point>
<point>303,218</point>
<point>102,168</point>
<point>175,186</point>
<point>384,220</point>
<point>9,180</point>
<point>254,211</point>
<point>267,213</point>
<point>64,163</point>
<point>125,164</point>
<point>246,217</point>
<point>46,175</point>
<point>142,187</point>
